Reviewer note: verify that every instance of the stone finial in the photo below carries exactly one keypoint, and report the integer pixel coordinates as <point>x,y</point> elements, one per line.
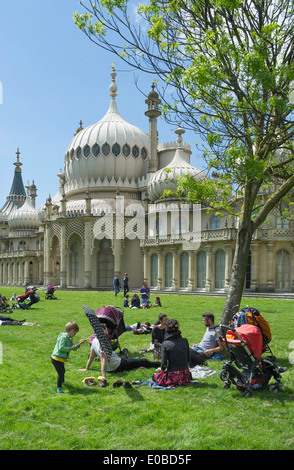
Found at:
<point>113,85</point>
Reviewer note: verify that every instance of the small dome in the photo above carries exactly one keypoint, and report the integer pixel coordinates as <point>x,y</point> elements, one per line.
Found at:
<point>165,179</point>
<point>24,218</point>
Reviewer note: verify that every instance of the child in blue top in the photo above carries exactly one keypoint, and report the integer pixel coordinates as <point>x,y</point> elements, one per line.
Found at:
<point>126,301</point>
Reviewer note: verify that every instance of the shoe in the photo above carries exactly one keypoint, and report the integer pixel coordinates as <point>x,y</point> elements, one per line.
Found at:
<point>102,383</point>
<point>117,384</point>
<point>282,369</point>
<point>126,385</point>
<point>60,391</point>
<point>90,382</point>
<point>125,353</point>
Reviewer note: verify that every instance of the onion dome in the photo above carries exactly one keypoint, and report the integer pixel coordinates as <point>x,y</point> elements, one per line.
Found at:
<point>24,218</point>
<point>111,148</point>
<point>166,178</point>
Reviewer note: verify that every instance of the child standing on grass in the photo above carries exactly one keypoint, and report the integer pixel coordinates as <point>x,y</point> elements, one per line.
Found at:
<point>62,349</point>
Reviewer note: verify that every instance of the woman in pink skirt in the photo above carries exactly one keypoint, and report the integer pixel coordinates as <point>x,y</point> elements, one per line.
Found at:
<point>174,370</point>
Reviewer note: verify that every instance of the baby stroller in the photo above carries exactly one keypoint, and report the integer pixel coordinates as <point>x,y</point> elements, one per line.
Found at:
<point>30,295</point>
<point>49,294</point>
<point>113,318</point>
<point>246,369</point>
<point>4,306</point>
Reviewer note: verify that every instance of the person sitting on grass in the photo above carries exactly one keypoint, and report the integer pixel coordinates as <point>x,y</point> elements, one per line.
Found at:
<point>174,370</point>
<point>126,301</point>
<point>62,349</point>
<point>115,363</point>
<point>145,292</point>
<point>157,302</point>
<point>135,302</point>
<point>210,345</point>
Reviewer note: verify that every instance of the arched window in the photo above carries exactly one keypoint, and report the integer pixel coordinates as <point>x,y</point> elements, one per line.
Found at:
<point>220,269</point>
<point>201,270</point>
<point>74,264</point>
<point>282,281</point>
<point>154,270</point>
<point>105,264</point>
<point>184,269</point>
<point>168,270</point>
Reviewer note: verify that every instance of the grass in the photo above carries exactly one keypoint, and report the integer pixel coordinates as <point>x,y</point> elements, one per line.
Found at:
<point>202,416</point>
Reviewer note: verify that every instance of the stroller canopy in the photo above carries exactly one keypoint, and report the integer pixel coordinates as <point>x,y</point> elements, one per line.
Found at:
<point>110,314</point>
<point>253,317</point>
<point>252,337</point>
<point>113,318</point>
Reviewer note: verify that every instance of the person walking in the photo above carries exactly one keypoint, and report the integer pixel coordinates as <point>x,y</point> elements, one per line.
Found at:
<point>116,285</point>
<point>126,284</point>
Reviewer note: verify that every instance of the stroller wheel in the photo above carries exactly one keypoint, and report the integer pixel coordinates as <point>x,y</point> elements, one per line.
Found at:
<point>224,375</point>
<point>247,393</point>
<point>275,388</point>
<point>227,384</point>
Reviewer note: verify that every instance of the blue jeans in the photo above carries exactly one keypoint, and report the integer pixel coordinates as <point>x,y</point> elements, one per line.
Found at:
<point>198,349</point>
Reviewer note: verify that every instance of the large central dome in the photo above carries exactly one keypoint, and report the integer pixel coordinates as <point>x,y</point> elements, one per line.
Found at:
<point>112,149</point>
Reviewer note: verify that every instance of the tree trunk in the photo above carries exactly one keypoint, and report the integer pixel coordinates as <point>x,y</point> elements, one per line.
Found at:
<point>234,296</point>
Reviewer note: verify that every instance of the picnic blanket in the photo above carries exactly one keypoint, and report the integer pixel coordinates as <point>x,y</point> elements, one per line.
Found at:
<point>197,372</point>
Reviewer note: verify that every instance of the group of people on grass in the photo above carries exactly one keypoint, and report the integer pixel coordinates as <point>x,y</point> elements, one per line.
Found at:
<point>172,354</point>
<point>135,301</point>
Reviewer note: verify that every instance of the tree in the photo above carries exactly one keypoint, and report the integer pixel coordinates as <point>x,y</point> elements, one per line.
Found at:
<point>230,66</point>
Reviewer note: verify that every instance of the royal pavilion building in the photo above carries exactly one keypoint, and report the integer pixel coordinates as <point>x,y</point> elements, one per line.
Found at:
<point>109,217</point>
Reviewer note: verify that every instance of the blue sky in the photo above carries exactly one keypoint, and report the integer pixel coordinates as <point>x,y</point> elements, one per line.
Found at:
<point>52,76</point>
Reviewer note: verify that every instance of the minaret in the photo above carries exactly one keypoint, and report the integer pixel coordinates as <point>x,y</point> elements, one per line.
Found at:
<point>32,192</point>
<point>153,113</point>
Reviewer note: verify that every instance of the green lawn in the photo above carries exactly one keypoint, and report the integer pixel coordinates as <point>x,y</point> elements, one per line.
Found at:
<point>201,416</point>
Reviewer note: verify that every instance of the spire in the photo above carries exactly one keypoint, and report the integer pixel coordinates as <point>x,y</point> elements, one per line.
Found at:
<point>17,164</point>
<point>17,194</point>
<point>179,131</point>
<point>17,188</point>
<point>79,128</point>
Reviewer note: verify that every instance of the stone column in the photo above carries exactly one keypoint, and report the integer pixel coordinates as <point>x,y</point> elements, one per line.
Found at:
<point>27,273</point>
<point>160,269</point>
<point>46,256</point>
<point>14,273</point>
<point>191,271</point>
<point>208,285</point>
<point>228,265</point>
<point>116,250</point>
<point>175,283</point>
<point>87,255</point>
<point>270,267</point>
<point>254,267</point>
<point>9,274</point>
<point>63,281</point>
